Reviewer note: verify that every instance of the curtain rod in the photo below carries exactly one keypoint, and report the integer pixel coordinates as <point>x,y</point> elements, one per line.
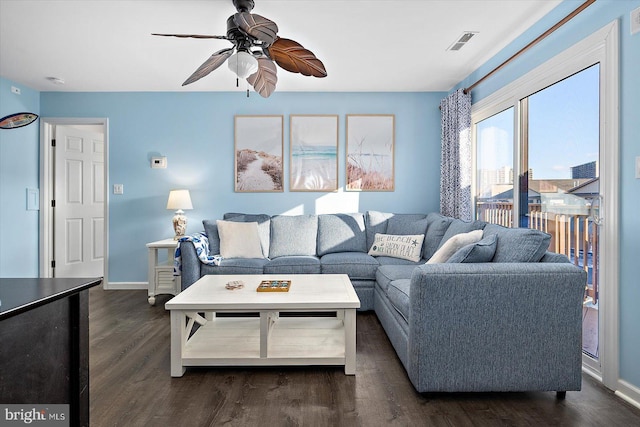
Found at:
<point>541,37</point>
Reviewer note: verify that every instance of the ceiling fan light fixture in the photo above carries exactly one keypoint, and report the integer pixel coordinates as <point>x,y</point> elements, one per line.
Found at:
<point>243,64</point>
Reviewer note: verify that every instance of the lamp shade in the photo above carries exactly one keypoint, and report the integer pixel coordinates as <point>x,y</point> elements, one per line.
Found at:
<point>243,64</point>
<point>179,199</point>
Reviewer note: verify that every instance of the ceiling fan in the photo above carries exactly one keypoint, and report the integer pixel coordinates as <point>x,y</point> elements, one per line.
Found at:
<point>257,46</point>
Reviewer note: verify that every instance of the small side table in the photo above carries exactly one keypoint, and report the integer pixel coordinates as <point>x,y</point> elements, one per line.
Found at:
<point>161,278</point>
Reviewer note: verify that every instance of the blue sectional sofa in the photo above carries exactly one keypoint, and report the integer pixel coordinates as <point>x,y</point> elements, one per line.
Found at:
<point>498,314</point>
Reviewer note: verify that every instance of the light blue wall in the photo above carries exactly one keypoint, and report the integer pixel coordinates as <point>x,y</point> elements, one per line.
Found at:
<point>195,132</point>
<point>590,20</point>
<point>19,170</point>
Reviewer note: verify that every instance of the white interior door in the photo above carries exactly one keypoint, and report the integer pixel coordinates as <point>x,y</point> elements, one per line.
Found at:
<point>79,203</point>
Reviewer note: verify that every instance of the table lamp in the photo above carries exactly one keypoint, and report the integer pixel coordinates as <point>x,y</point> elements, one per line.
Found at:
<point>179,199</point>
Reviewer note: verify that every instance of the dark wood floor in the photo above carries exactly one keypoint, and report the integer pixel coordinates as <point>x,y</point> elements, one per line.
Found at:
<point>131,385</point>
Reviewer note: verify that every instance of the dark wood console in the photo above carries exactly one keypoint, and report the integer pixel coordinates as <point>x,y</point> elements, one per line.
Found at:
<point>44,343</point>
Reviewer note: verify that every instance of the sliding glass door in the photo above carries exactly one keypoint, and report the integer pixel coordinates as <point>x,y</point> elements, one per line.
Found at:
<point>561,191</point>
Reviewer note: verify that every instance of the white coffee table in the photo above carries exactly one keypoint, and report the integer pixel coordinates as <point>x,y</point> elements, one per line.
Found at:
<point>270,339</point>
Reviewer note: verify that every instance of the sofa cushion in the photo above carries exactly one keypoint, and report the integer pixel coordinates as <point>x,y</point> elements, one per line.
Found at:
<point>436,227</point>
<point>398,294</point>
<point>357,265</point>
<point>341,233</point>
<point>481,251</point>
<point>407,224</point>
<point>399,246</point>
<point>518,244</point>
<point>293,235</point>
<point>299,264</point>
<point>235,266</point>
<point>379,222</point>
<point>387,260</point>
<point>376,222</point>
<point>239,239</point>
<point>264,226</point>
<point>388,273</point>
<point>452,245</point>
<point>458,226</point>
<point>211,230</point>
<point>554,257</point>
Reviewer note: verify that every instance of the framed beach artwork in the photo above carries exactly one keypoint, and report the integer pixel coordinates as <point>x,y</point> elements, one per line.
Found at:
<point>370,152</point>
<point>258,154</point>
<point>313,152</point>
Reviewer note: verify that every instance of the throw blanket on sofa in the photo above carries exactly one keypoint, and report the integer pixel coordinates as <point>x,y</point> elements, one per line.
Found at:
<point>201,243</point>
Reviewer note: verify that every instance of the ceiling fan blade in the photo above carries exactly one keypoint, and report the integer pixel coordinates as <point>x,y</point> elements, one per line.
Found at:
<point>216,60</point>
<point>256,26</point>
<point>293,57</point>
<point>264,80</point>
<point>192,36</point>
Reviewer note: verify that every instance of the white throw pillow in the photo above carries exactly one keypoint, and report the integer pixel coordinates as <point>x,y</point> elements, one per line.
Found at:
<point>239,239</point>
<point>398,246</point>
<point>452,245</point>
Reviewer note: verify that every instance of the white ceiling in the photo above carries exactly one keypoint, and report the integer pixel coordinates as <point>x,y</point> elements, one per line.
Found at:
<point>376,45</point>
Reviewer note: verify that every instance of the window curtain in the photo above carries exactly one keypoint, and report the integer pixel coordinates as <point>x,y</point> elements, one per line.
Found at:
<point>455,163</point>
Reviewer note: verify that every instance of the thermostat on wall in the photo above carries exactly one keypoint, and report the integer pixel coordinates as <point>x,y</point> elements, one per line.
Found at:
<point>158,162</point>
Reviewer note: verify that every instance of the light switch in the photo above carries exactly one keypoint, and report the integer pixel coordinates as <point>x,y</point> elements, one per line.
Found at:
<point>637,167</point>
<point>118,188</point>
<point>33,199</point>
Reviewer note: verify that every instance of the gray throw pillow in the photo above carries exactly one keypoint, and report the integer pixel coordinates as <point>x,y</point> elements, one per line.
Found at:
<point>481,251</point>
<point>405,224</point>
<point>376,222</point>
<point>518,244</point>
<point>437,226</point>
<point>211,229</point>
<point>293,235</point>
<point>341,233</point>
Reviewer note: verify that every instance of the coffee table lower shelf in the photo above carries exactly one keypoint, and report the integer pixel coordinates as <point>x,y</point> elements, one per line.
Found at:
<point>270,340</point>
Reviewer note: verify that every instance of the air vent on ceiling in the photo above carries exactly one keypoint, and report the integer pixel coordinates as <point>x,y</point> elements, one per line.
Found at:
<point>462,40</point>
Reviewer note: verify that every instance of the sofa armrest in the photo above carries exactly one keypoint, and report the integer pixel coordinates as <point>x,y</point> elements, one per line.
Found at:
<point>190,264</point>
<point>496,327</point>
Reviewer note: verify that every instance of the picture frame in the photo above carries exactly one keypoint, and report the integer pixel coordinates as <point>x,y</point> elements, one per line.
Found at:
<point>313,153</point>
<point>370,140</point>
<point>258,148</point>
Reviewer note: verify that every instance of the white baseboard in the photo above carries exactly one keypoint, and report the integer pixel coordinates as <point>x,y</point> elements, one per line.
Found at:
<point>629,393</point>
<point>125,286</point>
<point>592,373</point>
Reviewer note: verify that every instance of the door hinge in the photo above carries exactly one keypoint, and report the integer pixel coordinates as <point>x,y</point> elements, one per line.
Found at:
<point>53,264</point>
<point>53,203</point>
<point>53,142</point>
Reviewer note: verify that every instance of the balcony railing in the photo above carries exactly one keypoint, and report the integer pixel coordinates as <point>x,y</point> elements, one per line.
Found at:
<point>575,236</point>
